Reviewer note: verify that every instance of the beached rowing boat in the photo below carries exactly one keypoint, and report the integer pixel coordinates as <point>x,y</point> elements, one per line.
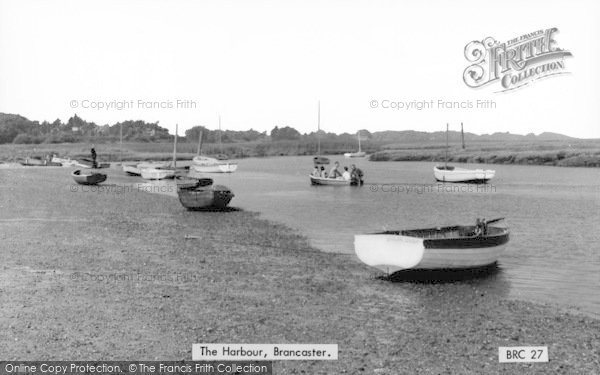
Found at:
<point>452,174</point>
<point>455,247</point>
<point>201,194</point>
<point>88,178</point>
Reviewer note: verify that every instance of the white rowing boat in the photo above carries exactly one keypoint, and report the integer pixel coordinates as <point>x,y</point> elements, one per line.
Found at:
<point>339,181</point>
<point>456,247</point>
<point>452,174</point>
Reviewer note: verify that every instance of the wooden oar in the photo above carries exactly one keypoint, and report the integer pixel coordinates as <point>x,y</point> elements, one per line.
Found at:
<point>494,220</point>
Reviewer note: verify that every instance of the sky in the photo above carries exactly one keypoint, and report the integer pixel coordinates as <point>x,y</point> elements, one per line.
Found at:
<point>261,64</point>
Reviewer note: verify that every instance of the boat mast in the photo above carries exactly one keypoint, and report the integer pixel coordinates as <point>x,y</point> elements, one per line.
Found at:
<point>121,142</point>
<point>359,141</point>
<point>462,134</point>
<point>446,160</point>
<point>220,144</point>
<point>175,148</point>
<point>319,129</point>
<point>199,142</point>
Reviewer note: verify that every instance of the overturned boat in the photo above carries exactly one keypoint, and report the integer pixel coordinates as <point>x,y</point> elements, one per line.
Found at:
<point>454,247</point>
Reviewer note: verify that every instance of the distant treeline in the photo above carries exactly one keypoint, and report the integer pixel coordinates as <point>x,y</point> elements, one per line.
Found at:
<point>17,129</point>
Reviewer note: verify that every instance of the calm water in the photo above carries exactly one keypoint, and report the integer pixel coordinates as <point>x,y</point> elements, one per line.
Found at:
<point>554,216</point>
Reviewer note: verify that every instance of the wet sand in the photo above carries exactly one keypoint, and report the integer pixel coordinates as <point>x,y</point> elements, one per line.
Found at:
<point>111,275</point>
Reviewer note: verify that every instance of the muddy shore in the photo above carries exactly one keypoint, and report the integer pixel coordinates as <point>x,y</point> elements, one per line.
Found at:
<point>111,276</point>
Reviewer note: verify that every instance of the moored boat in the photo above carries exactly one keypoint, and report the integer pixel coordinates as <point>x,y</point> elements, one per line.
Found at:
<point>132,170</point>
<point>201,194</point>
<point>359,153</point>
<point>448,173</point>
<point>87,178</point>
<point>204,164</point>
<point>320,160</point>
<point>455,247</point>
<point>157,173</point>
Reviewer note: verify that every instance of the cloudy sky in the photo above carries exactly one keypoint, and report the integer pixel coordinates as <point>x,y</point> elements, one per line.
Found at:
<point>266,63</point>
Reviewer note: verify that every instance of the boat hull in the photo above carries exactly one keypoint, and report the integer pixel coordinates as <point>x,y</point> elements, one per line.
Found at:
<point>395,251</point>
<point>320,160</point>
<point>463,175</point>
<point>329,181</point>
<point>360,154</point>
<point>220,167</point>
<point>132,170</point>
<point>204,197</point>
<point>156,173</point>
<point>88,179</point>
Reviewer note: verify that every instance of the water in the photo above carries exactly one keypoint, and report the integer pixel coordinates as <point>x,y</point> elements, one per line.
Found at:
<point>554,215</point>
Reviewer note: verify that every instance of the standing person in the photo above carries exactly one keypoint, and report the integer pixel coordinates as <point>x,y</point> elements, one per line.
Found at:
<point>335,173</point>
<point>356,175</point>
<point>93,152</point>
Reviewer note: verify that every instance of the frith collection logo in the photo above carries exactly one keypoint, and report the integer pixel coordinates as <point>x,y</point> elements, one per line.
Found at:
<point>515,63</point>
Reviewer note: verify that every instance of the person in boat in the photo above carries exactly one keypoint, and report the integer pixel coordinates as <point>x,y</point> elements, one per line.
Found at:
<point>323,172</point>
<point>93,152</point>
<point>481,228</point>
<point>316,172</point>
<point>346,174</point>
<point>356,175</point>
<point>335,173</point>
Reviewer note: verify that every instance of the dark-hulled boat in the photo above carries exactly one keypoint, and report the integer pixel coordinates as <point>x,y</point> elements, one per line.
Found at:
<point>455,247</point>
<point>201,194</point>
<point>88,178</point>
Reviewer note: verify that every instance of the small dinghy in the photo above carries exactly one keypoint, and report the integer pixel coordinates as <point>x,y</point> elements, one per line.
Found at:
<point>201,194</point>
<point>88,178</point>
<point>320,160</point>
<point>204,164</point>
<point>316,180</point>
<point>447,173</point>
<point>456,247</point>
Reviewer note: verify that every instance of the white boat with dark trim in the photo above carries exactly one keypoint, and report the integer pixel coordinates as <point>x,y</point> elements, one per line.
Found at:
<point>154,172</point>
<point>455,247</point>
<point>204,164</point>
<point>447,173</point>
<point>136,169</point>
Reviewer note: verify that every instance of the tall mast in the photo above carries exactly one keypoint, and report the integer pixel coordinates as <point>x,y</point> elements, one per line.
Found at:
<point>446,161</point>
<point>359,141</point>
<point>462,134</point>
<point>319,128</point>
<point>220,144</point>
<point>121,142</point>
<point>175,148</point>
<point>199,141</point>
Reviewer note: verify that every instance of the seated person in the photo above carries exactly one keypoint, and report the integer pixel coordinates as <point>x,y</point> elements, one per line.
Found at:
<point>346,174</point>
<point>316,172</point>
<point>323,172</point>
<point>335,173</point>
